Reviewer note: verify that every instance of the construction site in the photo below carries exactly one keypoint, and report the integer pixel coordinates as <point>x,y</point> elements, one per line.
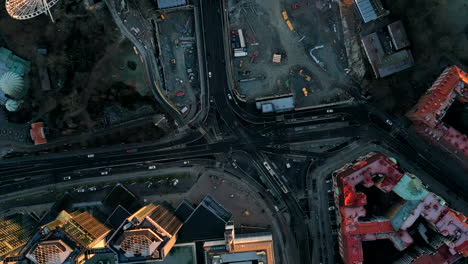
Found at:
<point>84,77</point>
<point>178,54</point>
<point>277,54</point>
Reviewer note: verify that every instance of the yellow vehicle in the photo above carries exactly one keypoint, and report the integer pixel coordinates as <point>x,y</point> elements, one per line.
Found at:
<point>305,92</point>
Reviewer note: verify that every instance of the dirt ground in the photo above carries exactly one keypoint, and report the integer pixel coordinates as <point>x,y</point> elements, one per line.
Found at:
<point>181,76</point>
<point>438,32</point>
<point>263,24</point>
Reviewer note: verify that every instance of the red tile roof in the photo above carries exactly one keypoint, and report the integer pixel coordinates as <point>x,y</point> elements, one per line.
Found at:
<point>432,208</point>
<point>37,133</point>
<point>427,114</point>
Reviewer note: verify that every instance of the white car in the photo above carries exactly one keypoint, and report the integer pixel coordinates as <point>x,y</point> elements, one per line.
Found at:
<point>92,189</point>
<point>329,110</point>
<point>90,155</point>
<point>331,208</point>
<point>175,182</point>
<point>103,173</point>
<point>152,167</point>
<point>229,96</point>
<point>81,190</point>
<point>209,74</point>
<point>389,122</point>
<point>67,178</point>
<point>186,162</point>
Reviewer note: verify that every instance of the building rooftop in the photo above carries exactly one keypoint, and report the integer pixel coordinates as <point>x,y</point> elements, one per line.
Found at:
<point>431,108</point>
<point>81,227</point>
<point>145,236</point>
<point>370,9</point>
<point>13,63</point>
<point>398,34</point>
<point>120,196</point>
<point>117,217</point>
<point>383,64</point>
<point>50,252</point>
<point>246,248</point>
<point>184,210</point>
<point>15,231</point>
<point>207,222</point>
<point>415,202</point>
<point>433,105</point>
<point>159,215</point>
<point>37,133</point>
<point>276,105</point>
<point>162,4</point>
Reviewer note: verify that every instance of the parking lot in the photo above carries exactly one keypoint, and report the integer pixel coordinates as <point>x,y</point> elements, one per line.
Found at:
<point>278,41</point>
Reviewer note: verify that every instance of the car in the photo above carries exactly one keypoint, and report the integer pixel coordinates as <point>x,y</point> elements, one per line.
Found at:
<point>67,178</point>
<point>331,208</point>
<point>103,173</point>
<point>186,162</point>
<point>229,96</point>
<point>329,110</point>
<point>209,75</point>
<point>92,189</point>
<point>181,93</point>
<point>132,150</point>
<point>389,122</point>
<point>152,167</point>
<point>288,165</point>
<point>81,190</point>
<point>175,182</point>
<point>90,155</point>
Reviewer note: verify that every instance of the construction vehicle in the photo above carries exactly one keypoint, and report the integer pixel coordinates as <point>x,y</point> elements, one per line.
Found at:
<point>254,56</point>
<point>285,15</point>
<point>295,6</point>
<point>307,77</point>
<point>286,19</point>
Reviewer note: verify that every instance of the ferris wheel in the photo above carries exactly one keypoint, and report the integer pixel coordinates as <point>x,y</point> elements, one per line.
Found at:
<point>26,9</point>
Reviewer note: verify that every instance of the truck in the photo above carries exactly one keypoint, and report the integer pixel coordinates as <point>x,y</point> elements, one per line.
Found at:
<point>240,54</point>
<point>241,38</point>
